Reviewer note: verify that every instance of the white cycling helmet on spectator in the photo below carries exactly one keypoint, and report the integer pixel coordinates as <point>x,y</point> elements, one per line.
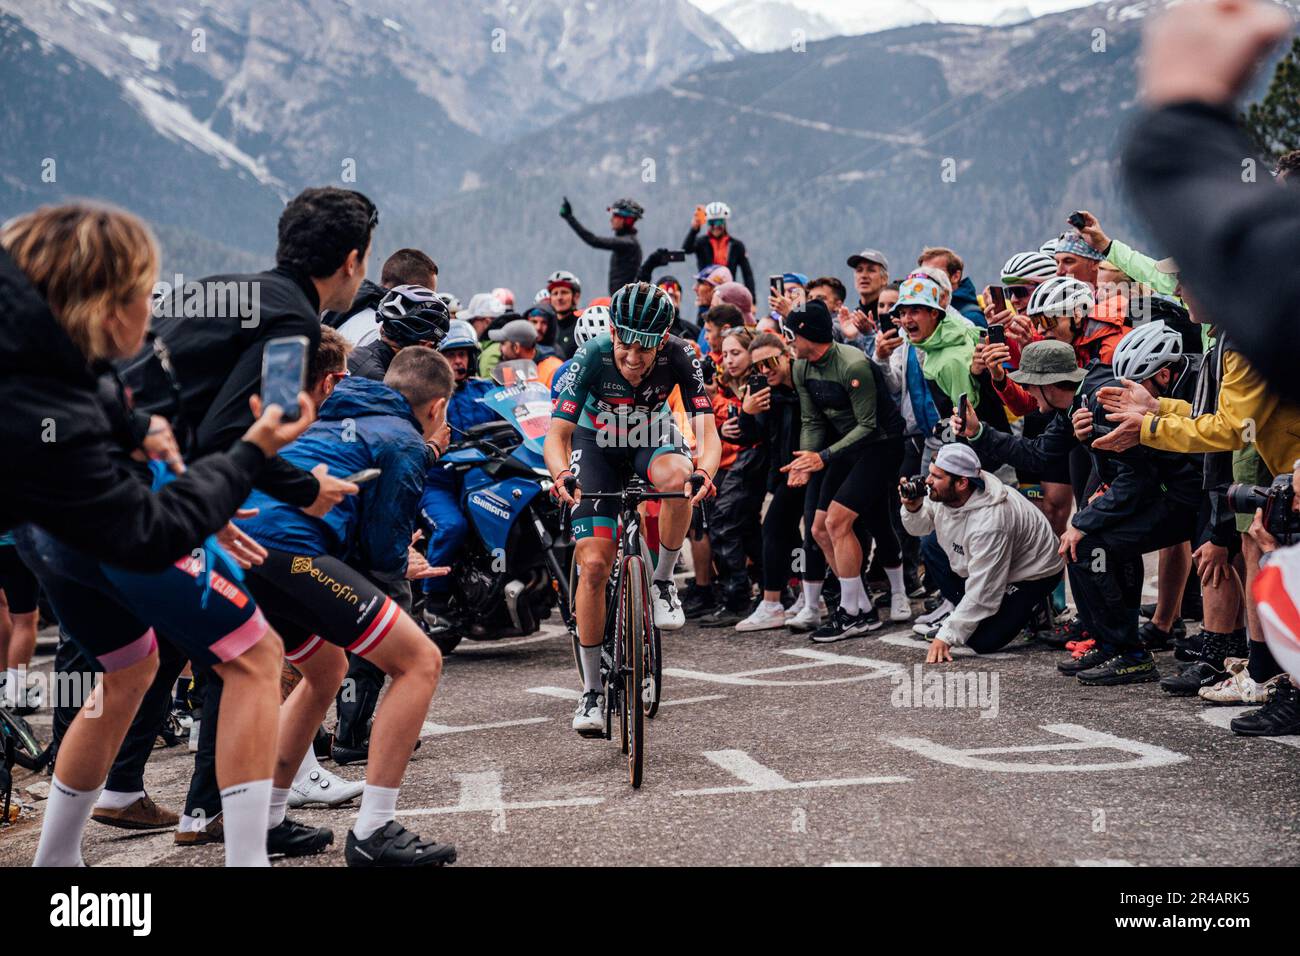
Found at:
<point>717,210</point>
<point>565,278</point>
<point>452,303</point>
<point>1146,350</point>
<point>1061,297</point>
<point>1028,268</point>
<point>482,305</point>
<point>542,296</point>
<point>593,323</point>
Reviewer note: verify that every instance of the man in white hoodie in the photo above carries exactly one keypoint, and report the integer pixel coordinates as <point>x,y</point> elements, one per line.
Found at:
<point>1002,551</point>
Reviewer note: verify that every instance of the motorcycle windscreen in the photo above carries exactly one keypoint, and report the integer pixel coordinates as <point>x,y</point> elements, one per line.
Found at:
<point>522,401</point>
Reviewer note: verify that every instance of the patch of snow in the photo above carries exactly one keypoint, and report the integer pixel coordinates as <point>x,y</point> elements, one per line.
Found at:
<point>143,49</point>
<point>393,25</point>
<point>103,5</point>
<point>174,121</point>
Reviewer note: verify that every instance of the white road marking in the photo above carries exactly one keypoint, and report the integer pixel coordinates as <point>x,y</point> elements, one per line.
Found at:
<point>1221,717</point>
<point>1147,755</point>
<point>568,693</point>
<point>850,863</point>
<point>902,640</point>
<point>758,778</point>
<point>434,730</point>
<point>872,669</point>
<point>1103,862</point>
<point>482,793</point>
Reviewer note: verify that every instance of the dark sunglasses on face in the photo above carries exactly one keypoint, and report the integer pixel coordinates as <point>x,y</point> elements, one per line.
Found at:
<point>769,364</point>
<point>1018,291</point>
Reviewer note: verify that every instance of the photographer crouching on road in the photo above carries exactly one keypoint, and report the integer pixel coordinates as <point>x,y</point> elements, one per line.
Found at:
<point>1002,552</point>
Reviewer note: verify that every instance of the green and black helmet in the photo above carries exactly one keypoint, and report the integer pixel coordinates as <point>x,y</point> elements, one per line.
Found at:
<point>642,314</point>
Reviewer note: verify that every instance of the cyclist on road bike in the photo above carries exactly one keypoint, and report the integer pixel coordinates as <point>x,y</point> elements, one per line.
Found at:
<point>611,415</point>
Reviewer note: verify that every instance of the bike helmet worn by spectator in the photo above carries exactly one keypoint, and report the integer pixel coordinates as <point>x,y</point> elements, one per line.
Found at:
<point>504,296</point>
<point>1028,268</point>
<point>565,278</point>
<point>1146,350</point>
<point>642,314</point>
<point>451,302</point>
<point>542,296</point>
<point>460,336</point>
<point>411,314</point>
<point>1061,297</point>
<point>627,208</point>
<point>717,210</point>
<point>592,323</point>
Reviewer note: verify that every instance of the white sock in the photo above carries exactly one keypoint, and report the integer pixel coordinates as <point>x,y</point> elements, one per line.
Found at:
<point>591,668</point>
<point>245,808</point>
<point>279,806</point>
<point>852,596</point>
<point>309,763</point>
<point>378,809</point>
<point>895,576</point>
<point>66,813</point>
<point>117,799</point>
<point>812,593</point>
<point>770,606</point>
<point>666,564</point>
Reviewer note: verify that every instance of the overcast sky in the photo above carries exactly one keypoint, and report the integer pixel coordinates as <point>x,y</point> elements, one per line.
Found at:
<point>959,11</point>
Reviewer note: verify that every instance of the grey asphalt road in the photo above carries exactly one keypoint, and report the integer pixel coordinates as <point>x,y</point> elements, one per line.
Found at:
<point>772,750</point>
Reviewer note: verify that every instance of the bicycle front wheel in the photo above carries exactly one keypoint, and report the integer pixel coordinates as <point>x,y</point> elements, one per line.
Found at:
<point>634,633</point>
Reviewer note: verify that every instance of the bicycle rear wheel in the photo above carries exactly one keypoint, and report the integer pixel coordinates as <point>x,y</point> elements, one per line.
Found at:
<point>634,634</point>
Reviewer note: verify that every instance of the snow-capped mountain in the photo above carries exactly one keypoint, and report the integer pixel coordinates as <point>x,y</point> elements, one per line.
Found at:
<point>766,25</point>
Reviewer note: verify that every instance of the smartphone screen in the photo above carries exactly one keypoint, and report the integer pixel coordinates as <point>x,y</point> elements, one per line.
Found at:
<point>284,373</point>
<point>999,298</point>
<point>776,284</point>
<point>757,383</point>
<point>997,335</point>
<point>963,406</point>
<point>364,475</point>
<point>676,255</point>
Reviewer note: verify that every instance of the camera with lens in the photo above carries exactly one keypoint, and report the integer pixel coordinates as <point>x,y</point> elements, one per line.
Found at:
<point>912,488</point>
<point>1275,500</point>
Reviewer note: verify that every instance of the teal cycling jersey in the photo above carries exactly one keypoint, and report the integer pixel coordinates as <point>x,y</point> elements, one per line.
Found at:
<point>594,395</point>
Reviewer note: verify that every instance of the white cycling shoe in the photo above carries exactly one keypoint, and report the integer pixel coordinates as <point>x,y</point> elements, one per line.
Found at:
<point>320,788</point>
<point>589,718</point>
<point>669,615</point>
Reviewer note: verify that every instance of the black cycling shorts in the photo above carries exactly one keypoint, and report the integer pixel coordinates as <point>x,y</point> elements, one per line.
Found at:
<point>17,582</point>
<point>311,599</point>
<point>863,479</point>
<point>603,468</point>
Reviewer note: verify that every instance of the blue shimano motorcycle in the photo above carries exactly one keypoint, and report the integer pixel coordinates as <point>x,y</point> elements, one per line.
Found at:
<point>511,572</point>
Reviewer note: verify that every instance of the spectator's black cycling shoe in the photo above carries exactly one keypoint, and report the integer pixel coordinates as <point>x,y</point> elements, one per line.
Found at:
<point>343,754</point>
<point>1137,667</point>
<point>1155,639</point>
<point>1147,611</point>
<point>291,838</point>
<point>1191,678</point>
<point>1062,634</point>
<point>395,845</point>
<point>724,616</point>
<point>1094,657</point>
<point>700,601</point>
<point>1280,717</point>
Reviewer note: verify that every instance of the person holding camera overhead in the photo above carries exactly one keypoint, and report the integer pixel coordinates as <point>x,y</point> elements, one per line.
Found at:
<point>1003,554</point>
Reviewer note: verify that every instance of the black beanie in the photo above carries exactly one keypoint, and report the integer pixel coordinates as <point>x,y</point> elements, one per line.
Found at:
<point>813,322</point>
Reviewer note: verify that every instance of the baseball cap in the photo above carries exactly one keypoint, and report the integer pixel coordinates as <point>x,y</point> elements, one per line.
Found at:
<point>519,331</point>
<point>1048,362</point>
<point>869,255</point>
<point>714,275</point>
<point>482,305</point>
<point>795,278</point>
<point>958,459</point>
<point>813,322</point>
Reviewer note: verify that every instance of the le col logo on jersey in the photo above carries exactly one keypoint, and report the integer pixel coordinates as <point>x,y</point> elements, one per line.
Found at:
<point>76,909</point>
